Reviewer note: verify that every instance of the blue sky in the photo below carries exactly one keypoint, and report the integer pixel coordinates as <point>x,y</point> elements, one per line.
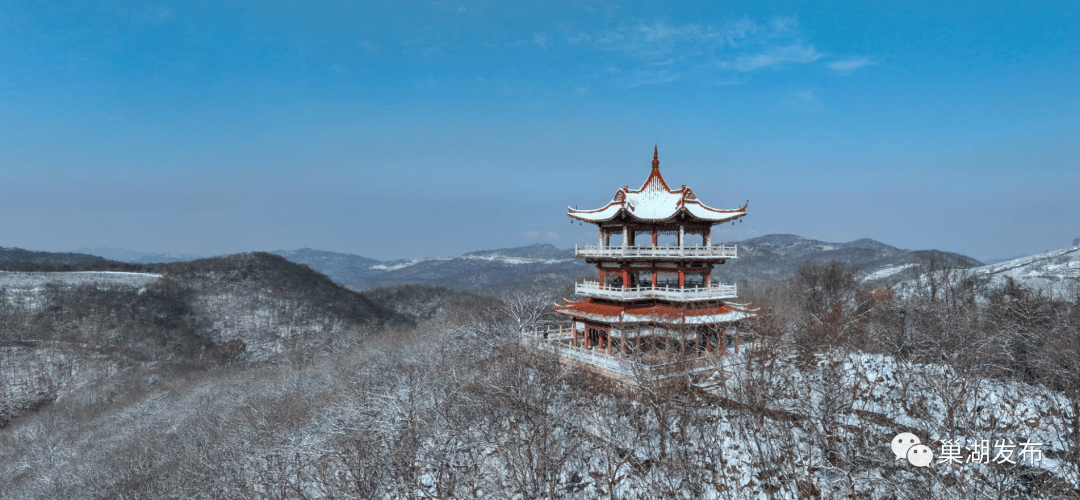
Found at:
<point>418,129</point>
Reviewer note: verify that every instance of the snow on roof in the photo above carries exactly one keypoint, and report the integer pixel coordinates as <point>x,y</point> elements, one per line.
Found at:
<point>655,201</point>
<point>661,313</point>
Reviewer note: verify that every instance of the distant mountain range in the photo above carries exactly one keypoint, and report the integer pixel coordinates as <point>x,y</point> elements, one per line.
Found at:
<point>490,271</point>
<point>20,255</point>
<point>777,255</point>
<point>485,271</point>
<point>337,266</point>
<point>765,257</point>
<point>997,260</point>
<point>136,257</point>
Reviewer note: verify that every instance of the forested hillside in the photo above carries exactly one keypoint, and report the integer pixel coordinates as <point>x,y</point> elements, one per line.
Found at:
<point>252,377</point>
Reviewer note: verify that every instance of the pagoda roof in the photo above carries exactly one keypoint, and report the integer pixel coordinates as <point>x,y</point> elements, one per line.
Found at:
<point>655,313</point>
<point>655,201</point>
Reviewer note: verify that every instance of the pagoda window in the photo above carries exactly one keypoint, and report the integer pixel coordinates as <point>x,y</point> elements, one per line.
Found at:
<point>667,238</point>
<point>695,279</point>
<point>615,237</point>
<point>667,279</point>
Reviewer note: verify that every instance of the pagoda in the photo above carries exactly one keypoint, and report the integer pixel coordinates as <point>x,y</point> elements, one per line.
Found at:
<point>649,298</point>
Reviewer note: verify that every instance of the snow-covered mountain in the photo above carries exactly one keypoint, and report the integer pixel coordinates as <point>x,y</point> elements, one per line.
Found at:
<point>485,271</point>
<point>1049,272</point>
<point>491,271</point>
<point>778,255</point>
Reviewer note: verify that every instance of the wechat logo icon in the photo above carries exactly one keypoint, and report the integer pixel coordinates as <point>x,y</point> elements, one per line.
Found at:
<point>908,446</point>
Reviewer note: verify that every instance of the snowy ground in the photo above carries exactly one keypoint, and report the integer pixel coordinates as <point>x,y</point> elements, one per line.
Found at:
<point>37,280</point>
<point>870,398</point>
<point>1051,272</point>
<point>887,272</point>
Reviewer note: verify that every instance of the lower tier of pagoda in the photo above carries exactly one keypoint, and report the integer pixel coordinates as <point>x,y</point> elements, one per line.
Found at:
<point>655,312</point>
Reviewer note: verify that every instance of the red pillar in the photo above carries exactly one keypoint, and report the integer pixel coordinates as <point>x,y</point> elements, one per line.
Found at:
<point>625,278</point>
<point>654,278</point>
<point>681,278</point>
<point>601,277</point>
<point>654,237</point>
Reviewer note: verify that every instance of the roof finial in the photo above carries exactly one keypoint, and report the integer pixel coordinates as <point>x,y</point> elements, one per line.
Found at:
<point>655,157</point>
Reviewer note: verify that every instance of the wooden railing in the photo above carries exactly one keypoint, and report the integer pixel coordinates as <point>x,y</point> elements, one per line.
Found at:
<point>665,251</point>
<point>715,290</point>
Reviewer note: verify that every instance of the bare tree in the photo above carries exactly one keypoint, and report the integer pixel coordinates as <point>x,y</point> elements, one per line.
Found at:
<point>528,309</point>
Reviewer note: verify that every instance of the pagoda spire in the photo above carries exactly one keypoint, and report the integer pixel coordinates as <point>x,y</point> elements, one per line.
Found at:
<point>655,158</point>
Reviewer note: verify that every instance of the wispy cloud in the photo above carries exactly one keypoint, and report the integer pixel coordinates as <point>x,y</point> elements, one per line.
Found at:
<point>672,49</point>
<point>845,65</point>
<point>553,235</point>
<point>796,53</point>
<point>805,100</point>
<point>540,40</point>
<point>531,234</point>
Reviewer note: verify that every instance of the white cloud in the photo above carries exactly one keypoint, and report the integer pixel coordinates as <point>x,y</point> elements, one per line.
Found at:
<point>540,40</point>
<point>553,235</point>
<point>665,51</point>
<point>845,65</point>
<point>796,53</point>
<point>531,234</point>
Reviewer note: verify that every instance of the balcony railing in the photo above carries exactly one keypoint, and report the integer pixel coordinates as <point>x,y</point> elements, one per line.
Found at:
<point>614,364</point>
<point>666,251</point>
<point>713,291</point>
